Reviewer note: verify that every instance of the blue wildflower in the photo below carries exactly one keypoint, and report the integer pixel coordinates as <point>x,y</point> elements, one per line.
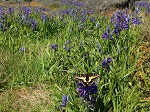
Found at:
<point>116,30</point>
<point>44,17</point>
<point>54,47</point>
<point>65,99</point>
<point>106,63</point>
<point>1,11</point>
<point>10,11</point>
<point>22,49</point>
<point>142,4</point>
<point>135,20</point>
<point>86,91</point>
<point>120,21</point>
<point>105,35</point>
<point>33,23</point>
<point>26,10</point>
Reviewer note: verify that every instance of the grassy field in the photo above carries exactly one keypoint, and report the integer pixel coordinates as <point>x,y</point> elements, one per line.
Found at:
<point>41,54</point>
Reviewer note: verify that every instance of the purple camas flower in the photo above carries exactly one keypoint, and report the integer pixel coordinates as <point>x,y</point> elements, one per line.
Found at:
<point>26,10</point>
<point>106,63</point>
<point>54,47</point>
<point>22,49</point>
<point>44,17</point>
<point>121,21</point>
<point>105,35</point>
<point>143,5</point>
<point>1,12</point>
<point>65,99</point>
<point>86,91</point>
<point>33,23</point>
<point>109,60</point>
<point>10,11</point>
<point>135,20</point>
<point>116,30</point>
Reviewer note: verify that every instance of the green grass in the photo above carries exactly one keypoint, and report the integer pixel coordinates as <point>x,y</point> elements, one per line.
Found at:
<point>36,79</point>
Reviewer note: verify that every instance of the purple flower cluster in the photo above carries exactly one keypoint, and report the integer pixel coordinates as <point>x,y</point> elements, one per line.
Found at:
<point>120,21</point>
<point>27,11</point>
<point>22,49</point>
<point>54,47</point>
<point>65,99</point>
<point>44,17</point>
<point>107,34</point>
<point>135,20</point>
<point>1,11</point>
<point>88,94</point>
<point>77,11</point>
<point>143,5</point>
<point>26,19</point>
<point>10,11</point>
<point>3,20</point>
<point>106,63</point>
<point>86,91</point>
<point>33,23</point>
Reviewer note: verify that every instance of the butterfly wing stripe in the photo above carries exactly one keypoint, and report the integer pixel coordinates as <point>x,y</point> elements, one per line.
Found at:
<point>92,78</point>
<point>81,78</point>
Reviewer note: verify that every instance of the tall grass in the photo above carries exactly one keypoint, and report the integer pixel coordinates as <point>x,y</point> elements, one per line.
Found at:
<point>28,60</point>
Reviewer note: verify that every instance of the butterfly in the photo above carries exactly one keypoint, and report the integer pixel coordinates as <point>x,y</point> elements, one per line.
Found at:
<point>87,79</point>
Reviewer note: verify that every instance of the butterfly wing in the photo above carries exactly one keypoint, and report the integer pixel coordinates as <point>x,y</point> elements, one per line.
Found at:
<point>86,79</point>
<point>92,78</point>
<point>81,78</point>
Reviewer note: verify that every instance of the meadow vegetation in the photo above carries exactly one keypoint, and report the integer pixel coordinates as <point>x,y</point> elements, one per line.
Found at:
<point>41,53</point>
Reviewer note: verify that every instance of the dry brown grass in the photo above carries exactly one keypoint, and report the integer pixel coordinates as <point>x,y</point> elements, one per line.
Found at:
<point>25,99</point>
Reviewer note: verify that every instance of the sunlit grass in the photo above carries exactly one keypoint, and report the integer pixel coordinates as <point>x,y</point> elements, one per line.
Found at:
<point>34,76</point>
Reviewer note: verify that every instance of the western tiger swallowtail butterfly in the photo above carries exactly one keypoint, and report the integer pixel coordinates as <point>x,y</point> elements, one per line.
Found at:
<point>87,79</point>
